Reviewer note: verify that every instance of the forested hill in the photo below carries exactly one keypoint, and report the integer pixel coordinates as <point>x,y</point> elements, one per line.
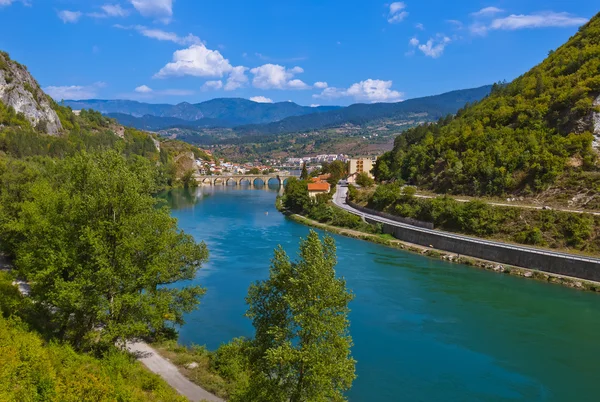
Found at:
<point>433,107</point>
<point>526,136</point>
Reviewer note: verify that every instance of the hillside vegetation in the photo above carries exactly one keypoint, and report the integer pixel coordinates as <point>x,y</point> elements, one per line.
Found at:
<point>522,138</point>
<point>33,370</point>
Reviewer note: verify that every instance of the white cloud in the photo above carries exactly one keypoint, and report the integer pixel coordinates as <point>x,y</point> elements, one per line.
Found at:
<point>212,85</point>
<point>114,10</point>
<point>168,36</point>
<point>487,11</point>
<point>320,85</point>
<point>69,16</point>
<point>9,2</point>
<point>397,13</point>
<point>314,105</point>
<point>74,92</point>
<point>434,47</point>
<point>297,84</point>
<point>261,99</point>
<point>537,20</point>
<point>457,24</point>
<point>159,34</point>
<point>237,78</point>
<point>274,76</point>
<point>368,90</point>
<point>478,28</point>
<point>160,9</point>
<point>420,26</point>
<point>110,10</point>
<point>197,61</point>
<point>143,89</point>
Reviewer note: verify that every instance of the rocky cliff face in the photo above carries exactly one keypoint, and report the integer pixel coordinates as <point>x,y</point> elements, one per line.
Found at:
<point>21,91</point>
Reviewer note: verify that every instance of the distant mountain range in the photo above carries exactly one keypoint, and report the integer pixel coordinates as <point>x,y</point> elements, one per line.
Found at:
<point>434,107</point>
<point>220,112</point>
<point>248,117</point>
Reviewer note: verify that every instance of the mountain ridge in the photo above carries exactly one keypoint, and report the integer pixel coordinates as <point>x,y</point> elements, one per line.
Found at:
<point>236,111</point>
<point>222,112</point>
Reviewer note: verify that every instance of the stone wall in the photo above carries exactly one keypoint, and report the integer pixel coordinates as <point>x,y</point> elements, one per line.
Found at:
<point>589,270</point>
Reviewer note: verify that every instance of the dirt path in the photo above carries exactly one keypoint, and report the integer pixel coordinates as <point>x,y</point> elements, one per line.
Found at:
<point>169,372</point>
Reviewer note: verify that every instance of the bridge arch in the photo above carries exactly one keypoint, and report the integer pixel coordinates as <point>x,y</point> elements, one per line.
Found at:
<point>260,181</point>
<point>219,180</point>
<point>231,182</point>
<point>274,181</point>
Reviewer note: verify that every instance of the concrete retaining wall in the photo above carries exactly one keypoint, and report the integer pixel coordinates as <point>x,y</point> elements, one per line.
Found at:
<point>408,221</point>
<point>521,258</point>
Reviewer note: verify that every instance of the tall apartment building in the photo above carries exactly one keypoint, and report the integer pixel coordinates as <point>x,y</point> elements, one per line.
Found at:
<point>359,165</point>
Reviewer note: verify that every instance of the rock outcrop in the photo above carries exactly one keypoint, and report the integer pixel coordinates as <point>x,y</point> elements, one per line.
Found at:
<point>19,90</point>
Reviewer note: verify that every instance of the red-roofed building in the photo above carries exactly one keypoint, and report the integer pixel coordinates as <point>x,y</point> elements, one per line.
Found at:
<point>318,188</point>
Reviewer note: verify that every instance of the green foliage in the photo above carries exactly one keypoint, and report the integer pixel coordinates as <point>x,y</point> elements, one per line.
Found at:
<point>254,170</point>
<point>188,179</point>
<point>364,180</point>
<point>304,173</point>
<point>556,229</point>
<point>521,136</point>
<point>9,117</point>
<point>232,362</point>
<point>302,345</point>
<point>385,195</point>
<point>88,235</point>
<point>296,198</point>
<point>337,169</point>
<point>33,371</point>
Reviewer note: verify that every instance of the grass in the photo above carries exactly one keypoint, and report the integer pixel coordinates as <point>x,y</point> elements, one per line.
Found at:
<point>35,368</point>
<point>203,374</point>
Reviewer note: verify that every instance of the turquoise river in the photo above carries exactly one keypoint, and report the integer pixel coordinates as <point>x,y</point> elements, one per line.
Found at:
<point>423,329</point>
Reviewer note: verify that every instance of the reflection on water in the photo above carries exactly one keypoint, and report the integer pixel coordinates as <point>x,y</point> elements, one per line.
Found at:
<point>424,330</point>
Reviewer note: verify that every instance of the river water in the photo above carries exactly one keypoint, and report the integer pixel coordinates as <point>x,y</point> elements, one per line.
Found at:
<point>423,329</point>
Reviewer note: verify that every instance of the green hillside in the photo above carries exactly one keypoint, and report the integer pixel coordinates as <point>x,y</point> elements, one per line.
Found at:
<point>33,370</point>
<point>526,136</point>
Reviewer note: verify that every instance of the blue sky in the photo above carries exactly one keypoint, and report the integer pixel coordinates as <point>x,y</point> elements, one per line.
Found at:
<point>308,51</point>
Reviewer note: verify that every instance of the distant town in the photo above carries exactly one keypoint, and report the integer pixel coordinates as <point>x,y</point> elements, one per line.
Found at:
<point>220,166</point>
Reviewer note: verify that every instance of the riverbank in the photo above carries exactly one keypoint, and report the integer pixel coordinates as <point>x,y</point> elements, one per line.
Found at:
<point>390,241</point>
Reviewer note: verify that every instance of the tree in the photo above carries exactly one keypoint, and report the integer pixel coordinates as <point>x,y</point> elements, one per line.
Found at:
<point>364,180</point>
<point>302,344</point>
<point>304,174</point>
<point>296,198</point>
<point>100,253</point>
<point>337,169</point>
<point>254,171</point>
<point>188,179</point>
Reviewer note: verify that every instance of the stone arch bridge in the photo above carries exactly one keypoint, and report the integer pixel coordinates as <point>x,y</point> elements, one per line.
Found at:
<point>240,179</point>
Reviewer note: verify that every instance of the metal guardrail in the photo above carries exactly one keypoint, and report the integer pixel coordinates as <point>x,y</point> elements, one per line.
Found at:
<point>475,240</point>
